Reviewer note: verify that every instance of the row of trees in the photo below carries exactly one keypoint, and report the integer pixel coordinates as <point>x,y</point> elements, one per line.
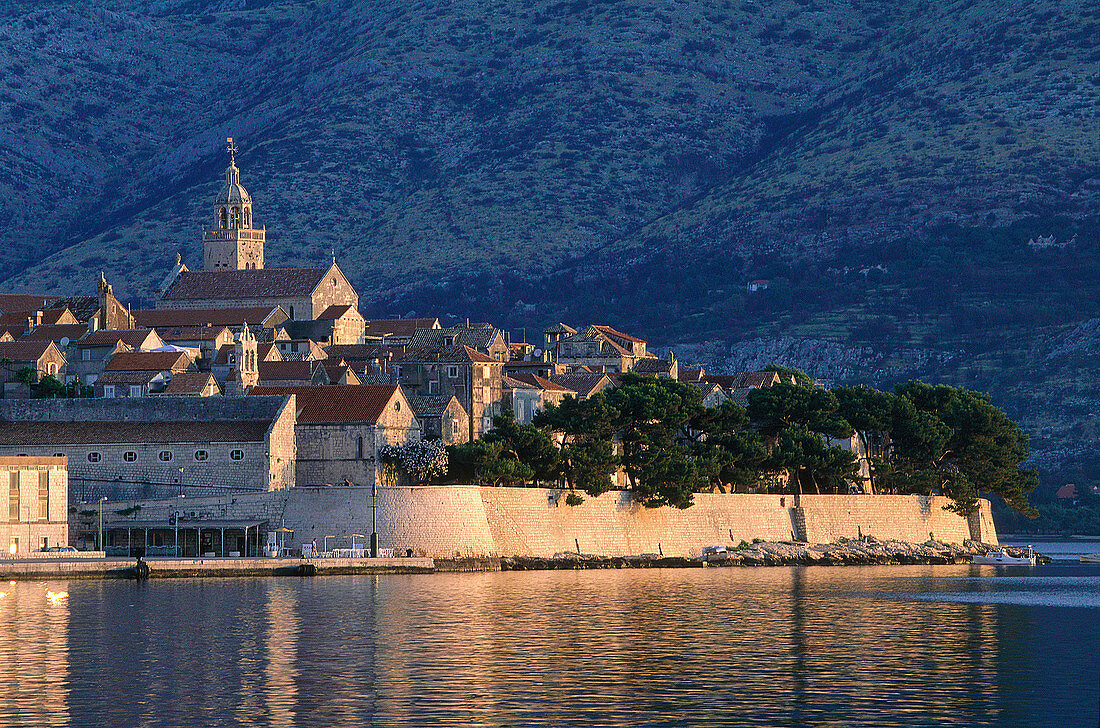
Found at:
<point>918,439</point>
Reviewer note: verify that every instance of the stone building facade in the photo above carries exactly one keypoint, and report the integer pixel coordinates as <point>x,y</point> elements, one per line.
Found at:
<point>340,428</point>
<point>472,377</point>
<point>36,514</point>
<point>158,446</point>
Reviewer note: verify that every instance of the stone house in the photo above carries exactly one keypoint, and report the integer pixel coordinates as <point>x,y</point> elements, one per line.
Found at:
<point>339,430</point>
<point>158,447</point>
<point>485,339</point>
<point>529,393</point>
<point>36,490</point>
<point>299,349</point>
<point>42,356</point>
<point>664,368</point>
<point>60,334</point>
<point>339,325</point>
<point>441,418</point>
<point>207,340</point>
<point>192,384</point>
<point>601,348</point>
<point>471,376</point>
<point>37,317</point>
<point>89,354</point>
<point>585,384</point>
<point>286,373</point>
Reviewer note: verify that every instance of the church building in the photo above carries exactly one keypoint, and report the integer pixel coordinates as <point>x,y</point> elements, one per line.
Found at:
<point>233,274</point>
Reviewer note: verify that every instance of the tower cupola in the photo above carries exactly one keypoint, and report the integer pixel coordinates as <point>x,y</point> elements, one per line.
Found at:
<point>233,243</point>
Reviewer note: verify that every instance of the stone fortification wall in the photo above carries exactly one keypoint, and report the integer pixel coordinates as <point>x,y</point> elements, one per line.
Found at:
<point>449,521</point>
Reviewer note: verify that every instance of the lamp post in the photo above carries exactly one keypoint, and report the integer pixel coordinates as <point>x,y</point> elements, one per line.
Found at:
<point>374,520</point>
<point>102,545</point>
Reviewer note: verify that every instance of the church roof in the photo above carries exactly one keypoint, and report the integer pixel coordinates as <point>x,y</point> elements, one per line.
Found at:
<point>249,283</point>
<point>24,301</point>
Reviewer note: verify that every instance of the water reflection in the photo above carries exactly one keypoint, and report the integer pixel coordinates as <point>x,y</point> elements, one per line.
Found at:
<point>800,646</point>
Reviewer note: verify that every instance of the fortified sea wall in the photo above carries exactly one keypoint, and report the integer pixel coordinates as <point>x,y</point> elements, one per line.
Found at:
<point>469,521</point>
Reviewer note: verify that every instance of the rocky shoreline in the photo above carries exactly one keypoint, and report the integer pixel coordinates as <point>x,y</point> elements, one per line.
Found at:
<point>862,552</point>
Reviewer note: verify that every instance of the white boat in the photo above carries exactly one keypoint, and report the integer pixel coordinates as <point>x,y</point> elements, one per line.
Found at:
<point>1002,558</point>
<point>1090,558</point>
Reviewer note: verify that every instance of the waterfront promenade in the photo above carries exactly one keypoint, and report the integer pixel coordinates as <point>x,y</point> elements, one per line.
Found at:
<point>107,568</point>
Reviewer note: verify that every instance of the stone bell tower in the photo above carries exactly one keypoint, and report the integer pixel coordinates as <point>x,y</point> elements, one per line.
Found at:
<point>233,244</point>
<point>248,371</point>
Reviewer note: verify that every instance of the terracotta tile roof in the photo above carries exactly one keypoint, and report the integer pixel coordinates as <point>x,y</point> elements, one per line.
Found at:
<point>341,403</point>
<point>124,432</point>
<point>652,365</point>
<point>56,332</point>
<point>559,328</point>
<point>617,334</point>
<point>128,376</point>
<point>50,316</point>
<point>446,353</point>
<point>335,312</point>
<point>232,317</point>
<point>193,333</point>
<point>399,327</point>
<point>581,383</point>
<point>541,383</point>
<point>24,301</point>
<point>134,338</point>
<point>690,375</point>
<point>476,337</point>
<point>513,383</point>
<point>146,361</point>
<point>83,307</point>
<point>743,380</point>
<point>23,351</point>
<point>282,371</point>
<point>238,284</point>
<point>190,383</point>
<point>432,405</point>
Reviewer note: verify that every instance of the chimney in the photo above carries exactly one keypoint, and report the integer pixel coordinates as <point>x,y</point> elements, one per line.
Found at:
<point>93,325</point>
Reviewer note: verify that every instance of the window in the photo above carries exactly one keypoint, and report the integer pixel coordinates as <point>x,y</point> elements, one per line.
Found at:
<point>86,355</point>
<point>94,457</point>
<point>51,368</point>
<point>359,448</point>
<point>397,406</point>
<point>433,387</point>
<point>235,217</point>
<point>59,454</point>
<point>135,390</point>
<point>43,495</point>
<point>165,456</point>
<point>13,548</point>
<point>13,497</point>
<point>129,456</point>
<point>109,391</point>
<point>201,456</point>
<point>291,312</point>
<point>43,544</point>
<point>222,220</point>
<point>452,372</point>
<point>236,454</point>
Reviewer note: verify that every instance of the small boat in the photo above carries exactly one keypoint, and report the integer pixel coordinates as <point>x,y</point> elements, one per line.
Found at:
<point>1090,558</point>
<point>1002,558</point>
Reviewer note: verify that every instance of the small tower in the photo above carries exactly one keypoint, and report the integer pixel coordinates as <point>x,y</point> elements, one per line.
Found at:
<point>248,371</point>
<point>233,244</point>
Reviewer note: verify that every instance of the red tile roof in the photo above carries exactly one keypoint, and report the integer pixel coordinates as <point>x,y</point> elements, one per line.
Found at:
<point>618,334</point>
<point>134,338</point>
<point>127,376</point>
<point>56,332</point>
<point>232,317</point>
<point>190,383</point>
<point>24,301</point>
<point>148,361</point>
<point>238,284</point>
<point>335,312</point>
<point>281,371</point>
<point>580,382</point>
<point>1066,492</point>
<point>23,351</point>
<point>340,403</point>
<point>546,384</point>
<point>193,333</point>
<point>50,316</point>
<point>399,327</point>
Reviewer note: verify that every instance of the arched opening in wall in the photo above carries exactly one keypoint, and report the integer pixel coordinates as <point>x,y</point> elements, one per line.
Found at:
<point>247,218</point>
<point>222,218</point>
<point>359,448</point>
<point>235,218</point>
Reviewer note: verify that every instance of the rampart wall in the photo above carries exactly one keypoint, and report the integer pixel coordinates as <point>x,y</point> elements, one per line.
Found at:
<point>449,521</point>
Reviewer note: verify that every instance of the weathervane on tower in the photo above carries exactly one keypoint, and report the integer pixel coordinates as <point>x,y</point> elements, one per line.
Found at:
<point>232,149</point>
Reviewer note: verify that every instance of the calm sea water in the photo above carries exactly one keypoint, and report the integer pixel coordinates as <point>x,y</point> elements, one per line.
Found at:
<point>816,646</point>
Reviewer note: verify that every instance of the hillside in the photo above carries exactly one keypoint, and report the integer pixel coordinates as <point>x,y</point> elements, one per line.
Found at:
<point>882,165</point>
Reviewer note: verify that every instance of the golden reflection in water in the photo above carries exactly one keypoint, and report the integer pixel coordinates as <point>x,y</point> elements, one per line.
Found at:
<point>34,656</point>
<point>280,674</point>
